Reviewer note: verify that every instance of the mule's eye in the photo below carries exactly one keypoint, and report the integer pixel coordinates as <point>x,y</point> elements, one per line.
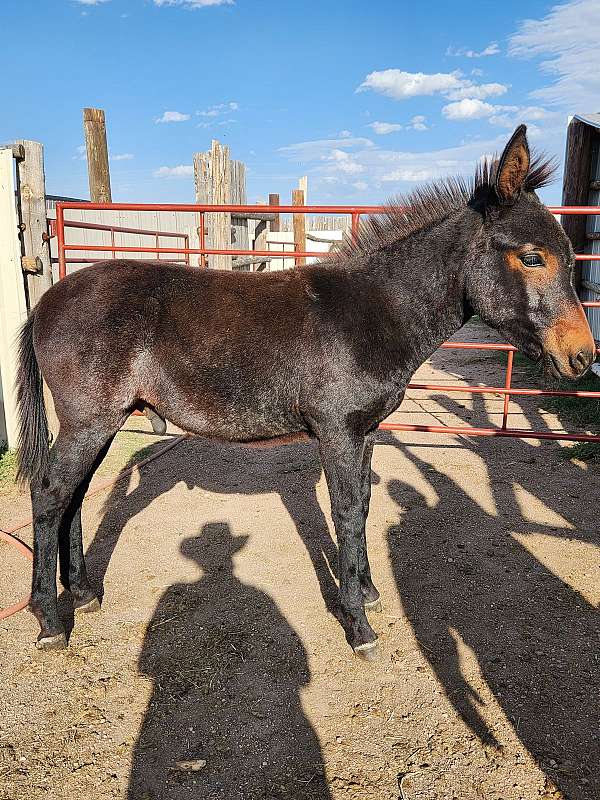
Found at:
<point>532,260</point>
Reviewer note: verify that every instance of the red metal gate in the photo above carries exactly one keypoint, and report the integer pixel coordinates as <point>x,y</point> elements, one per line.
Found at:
<point>355,212</point>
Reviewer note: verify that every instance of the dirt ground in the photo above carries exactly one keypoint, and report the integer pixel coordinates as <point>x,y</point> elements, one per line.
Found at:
<point>216,672</point>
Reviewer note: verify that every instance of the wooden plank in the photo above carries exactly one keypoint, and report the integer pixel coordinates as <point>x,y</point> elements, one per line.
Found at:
<point>576,183</point>
<point>276,221</point>
<point>221,193</point>
<point>299,223</point>
<point>239,225</point>
<point>202,185</point>
<point>94,128</point>
<point>13,306</point>
<point>303,185</point>
<point>31,187</point>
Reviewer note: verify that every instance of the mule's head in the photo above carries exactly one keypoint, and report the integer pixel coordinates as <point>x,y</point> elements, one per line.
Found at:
<point>520,280</point>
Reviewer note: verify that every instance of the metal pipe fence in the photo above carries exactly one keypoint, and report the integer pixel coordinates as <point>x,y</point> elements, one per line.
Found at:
<point>354,212</point>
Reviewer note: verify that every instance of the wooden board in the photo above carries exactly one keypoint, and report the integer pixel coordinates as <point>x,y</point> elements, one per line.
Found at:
<point>13,309</point>
<point>32,212</point>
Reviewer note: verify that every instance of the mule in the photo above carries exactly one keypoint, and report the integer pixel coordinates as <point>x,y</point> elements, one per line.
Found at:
<point>323,351</point>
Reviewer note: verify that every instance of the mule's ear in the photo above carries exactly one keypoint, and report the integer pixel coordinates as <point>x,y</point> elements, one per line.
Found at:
<point>513,167</point>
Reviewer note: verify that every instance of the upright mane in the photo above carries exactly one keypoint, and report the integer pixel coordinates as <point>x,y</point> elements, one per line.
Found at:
<point>431,203</point>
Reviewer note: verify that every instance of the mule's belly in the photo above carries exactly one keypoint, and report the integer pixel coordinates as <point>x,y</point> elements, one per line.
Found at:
<point>244,419</point>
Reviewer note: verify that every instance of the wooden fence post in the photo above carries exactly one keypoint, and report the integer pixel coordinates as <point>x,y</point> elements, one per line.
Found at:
<point>276,223</point>
<point>212,177</point>
<point>239,225</point>
<point>94,127</point>
<point>221,191</point>
<point>31,192</point>
<point>203,196</point>
<point>299,224</point>
<point>13,307</point>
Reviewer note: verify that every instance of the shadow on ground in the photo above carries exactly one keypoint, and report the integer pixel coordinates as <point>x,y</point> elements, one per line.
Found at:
<point>466,576</point>
<point>226,667</point>
<point>227,670</point>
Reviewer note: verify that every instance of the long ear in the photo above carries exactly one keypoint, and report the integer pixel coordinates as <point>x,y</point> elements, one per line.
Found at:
<point>513,167</point>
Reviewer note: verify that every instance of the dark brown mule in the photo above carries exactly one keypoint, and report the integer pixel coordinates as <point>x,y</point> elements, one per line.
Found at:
<point>325,351</point>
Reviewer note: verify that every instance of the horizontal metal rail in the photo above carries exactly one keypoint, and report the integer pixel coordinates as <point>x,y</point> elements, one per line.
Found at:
<point>355,212</point>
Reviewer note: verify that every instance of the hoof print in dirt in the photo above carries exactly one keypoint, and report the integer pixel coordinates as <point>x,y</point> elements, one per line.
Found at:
<point>58,642</point>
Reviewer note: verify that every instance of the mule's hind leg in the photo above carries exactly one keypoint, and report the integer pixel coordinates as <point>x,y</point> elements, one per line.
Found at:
<point>71,458</point>
<point>72,570</point>
<point>367,587</point>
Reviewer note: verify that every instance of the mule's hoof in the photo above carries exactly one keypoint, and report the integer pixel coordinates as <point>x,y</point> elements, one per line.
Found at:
<point>90,607</point>
<point>368,651</point>
<point>374,606</point>
<point>58,642</point>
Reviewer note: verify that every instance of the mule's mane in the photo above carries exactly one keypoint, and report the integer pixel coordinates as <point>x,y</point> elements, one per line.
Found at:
<point>432,202</point>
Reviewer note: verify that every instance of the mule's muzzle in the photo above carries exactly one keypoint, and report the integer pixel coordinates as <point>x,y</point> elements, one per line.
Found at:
<point>568,344</point>
<point>572,366</point>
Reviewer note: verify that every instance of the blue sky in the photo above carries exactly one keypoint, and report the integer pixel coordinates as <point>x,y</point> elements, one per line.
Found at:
<point>367,99</point>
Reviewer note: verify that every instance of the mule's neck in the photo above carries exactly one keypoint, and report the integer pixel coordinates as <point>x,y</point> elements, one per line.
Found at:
<point>423,278</point>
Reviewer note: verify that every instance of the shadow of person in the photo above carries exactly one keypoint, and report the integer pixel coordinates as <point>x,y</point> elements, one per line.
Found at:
<point>467,575</point>
<point>227,670</point>
<point>291,471</point>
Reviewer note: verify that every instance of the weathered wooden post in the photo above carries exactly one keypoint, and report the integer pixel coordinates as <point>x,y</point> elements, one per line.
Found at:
<point>299,225</point>
<point>13,306</point>
<point>276,223</point>
<point>31,192</point>
<point>212,177</point>
<point>239,225</point>
<point>94,128</point>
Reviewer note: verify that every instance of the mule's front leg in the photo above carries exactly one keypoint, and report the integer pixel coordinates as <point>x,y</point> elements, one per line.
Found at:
<point>342,458</point>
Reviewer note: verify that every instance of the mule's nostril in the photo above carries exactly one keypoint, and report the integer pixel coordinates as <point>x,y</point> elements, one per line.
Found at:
<point>581,361</point>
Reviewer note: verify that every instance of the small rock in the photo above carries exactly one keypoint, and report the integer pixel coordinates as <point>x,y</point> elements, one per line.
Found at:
<point>195,765</point>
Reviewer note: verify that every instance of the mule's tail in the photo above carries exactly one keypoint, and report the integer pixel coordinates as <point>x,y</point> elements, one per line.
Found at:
<point>33,444</point>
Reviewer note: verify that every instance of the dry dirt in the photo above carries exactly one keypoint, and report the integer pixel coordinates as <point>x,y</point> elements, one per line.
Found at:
<point>215,644</point>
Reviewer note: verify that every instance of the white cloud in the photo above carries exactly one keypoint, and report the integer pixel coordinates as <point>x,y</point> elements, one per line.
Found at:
<point>491,50</point>
<point>122,157</point>
<point>410,175</point>
<point>180,171</point>
<point>399,85</point>
<point>173,116</point>
<point>361,186</point>
<point>318,148</point>
<point>418,123</point>
<point>468,109</point>
<point>345,134</point>
<point>478,91</point>
<point>218,109</point>
<point>344,162</point>
<point>91,2</point>
<point>383,128</point>
<point>380,168</point>
<point>193,4</point>
<point>567,39</point>
<point>81,153</point>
